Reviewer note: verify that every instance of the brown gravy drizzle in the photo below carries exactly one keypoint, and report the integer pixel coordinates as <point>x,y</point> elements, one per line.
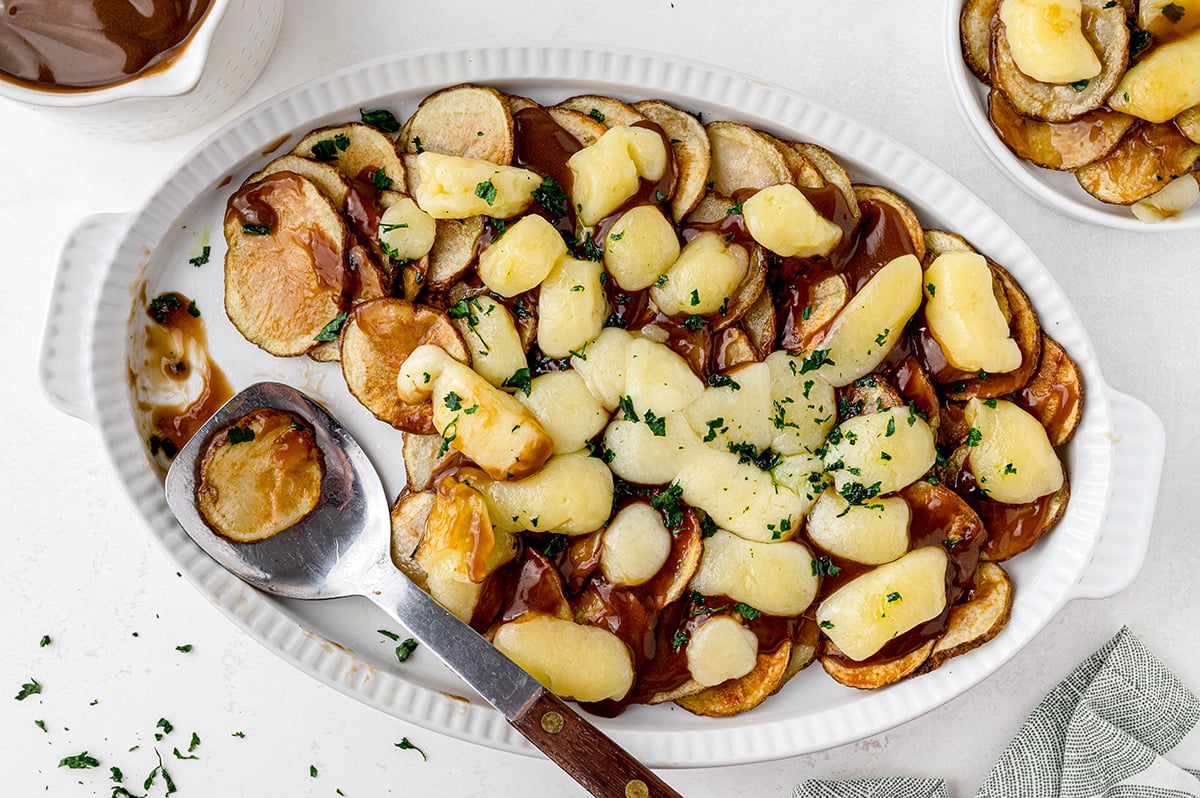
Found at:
<point>81,44</point>
<point>171,426</point>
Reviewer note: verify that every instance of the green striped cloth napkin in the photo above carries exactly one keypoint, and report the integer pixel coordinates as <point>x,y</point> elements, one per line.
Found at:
<point>1120,726</point>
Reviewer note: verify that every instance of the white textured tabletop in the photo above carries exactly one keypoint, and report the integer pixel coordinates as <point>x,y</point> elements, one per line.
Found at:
<point>80,568</point>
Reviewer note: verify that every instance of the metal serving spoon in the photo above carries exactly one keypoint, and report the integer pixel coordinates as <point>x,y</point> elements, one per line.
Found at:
<point>343,549</point>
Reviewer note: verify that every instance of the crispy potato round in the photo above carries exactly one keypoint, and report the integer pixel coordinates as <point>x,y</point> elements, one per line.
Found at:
<point>975,621</point>
<point>1014,528</point>
<point>409,515</point>
<point>586,130</point>
<point>466,120</point>
<point>376,340</point>
<point>608,111</point>
<point>259,475</point>
<point>975,35</point>
<point>1054,395</point>
<point>831,170</point>
<point>1104,28</point>
<point>735,696</point>
<point>689,144</point>
<point>1146,158</point>
<point>887,197</point>
<point>742,157</point>
<point>875,675</point>
<point>1188,123</point>
<point>285,272</point>
<point>323,175</point>
<point>357,151</point>
<point>1057,145</point>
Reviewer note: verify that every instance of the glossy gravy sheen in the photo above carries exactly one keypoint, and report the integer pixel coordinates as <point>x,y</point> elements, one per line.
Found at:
<point>81,44</point>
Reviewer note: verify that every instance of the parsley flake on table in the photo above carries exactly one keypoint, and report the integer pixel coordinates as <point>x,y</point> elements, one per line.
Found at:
<point>79,761</point>
<point>185,648</point>
<point>31,687</point>
<point>45,641</point>
<point>405,745</point>
<point>405,650</point>
<point>202,258</point>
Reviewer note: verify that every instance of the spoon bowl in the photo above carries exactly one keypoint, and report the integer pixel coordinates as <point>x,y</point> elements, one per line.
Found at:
<point>343,548</point>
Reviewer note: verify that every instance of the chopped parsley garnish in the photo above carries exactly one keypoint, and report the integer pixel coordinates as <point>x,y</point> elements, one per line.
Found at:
<point>166,727</point>
<point>735,210</point>
<point>826,624</point>
<point>814,360</point>
<point>891,428</point>
<point>1009,468</point>
<point>161,306</point>
<point>330,331</point>
<point>453,401</point>
<point>240,435</point>
<point>616,236</point>
<point>388,635</point>
<point>520,380</point>
<point>486,191</point>
<point>382,118</point>
<point>325,150</point>
<point>626,406</point>
<point>381,181</point>
<point>41,724</point>
<point>1139,40</point>
<point>932,289</point>
<point>657,424</point>
<point>1173,11</point>
<point>462,309</point>
<point>693,322</point>
<point>193,309</point>
<point>974,437</point>
<point>715,427</point>
<point>892,597</point>
<point>695,298</point>
<point>312,771</point>
<point>167,446</point>
<point>520,309</point>
<point>31,687</point>
<point>823,566</point>
<point>679,639</point>
<point>590,250</point>
<point>1079,85</point>
<point>448,437</point>
<point>990,402</point>
<point>555,546</point>
<point>746,611</point>
<point>779,420</point>
<point>186,648</point>
<point>405,745</point>
<point>708,527</point>
<point>806,314</point>
<point>668,503</point>
<point>661,281</point>
<point>856,493</point>
<point>550,195</point>
<point>45,641</point>
<point>417,145</point>
<point>79,761</point>
<point>405,649</point>
<point>721,380</point>
<point>881,339</point>
<point>749,454</point>
<point>597,114</point>
<point>202,258</point>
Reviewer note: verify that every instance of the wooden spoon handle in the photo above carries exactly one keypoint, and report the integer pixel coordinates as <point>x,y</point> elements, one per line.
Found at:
<point>603,768</point>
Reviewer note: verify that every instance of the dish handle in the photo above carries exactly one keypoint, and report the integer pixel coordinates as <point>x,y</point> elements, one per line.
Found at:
<point>1139,441</point>
<point>65,363</point>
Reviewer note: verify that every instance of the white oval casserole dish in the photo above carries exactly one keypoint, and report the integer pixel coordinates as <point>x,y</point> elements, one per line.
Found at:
<point>1114,459</point>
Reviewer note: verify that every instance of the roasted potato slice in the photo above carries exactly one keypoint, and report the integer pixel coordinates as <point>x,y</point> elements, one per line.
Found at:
<point>357,150</point>
<point>454,251</point>
<point>689,144</point>
<point>975,621</point>
<point>1189,123</point>
<point>323,175</point>
<point>1104,28</point>
<point>804,173</point>
<point>1054,396</point>
<point>670,583</point>
<point>425,458</point>
<point>712,207</point>
<point>376,340</point>
<point>884,196</point>
<point>1025,329</point>
<point>760,324</point>
<point>1057,145</point>
<point>742,157</point>
<point>831,170</point>
<point>608,111</point>
<point>824,299</point>
<point>939,241</point>
<point>875,675</point>
<point>739,695</point>
<point>1146,158</point>
<point>467,121</point>
<point>586,130</point>
<point>975,35</point>
<point>285,271</point>
<point>1013,528</point>
<point>409,516</point>
<point>517,102</point>
<point>747,292</point>
<point>259,475</point>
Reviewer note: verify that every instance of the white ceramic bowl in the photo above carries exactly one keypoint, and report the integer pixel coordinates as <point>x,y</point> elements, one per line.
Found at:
<point>224,55</point>
<point>1115,457</point>
<point>1058,189</point>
